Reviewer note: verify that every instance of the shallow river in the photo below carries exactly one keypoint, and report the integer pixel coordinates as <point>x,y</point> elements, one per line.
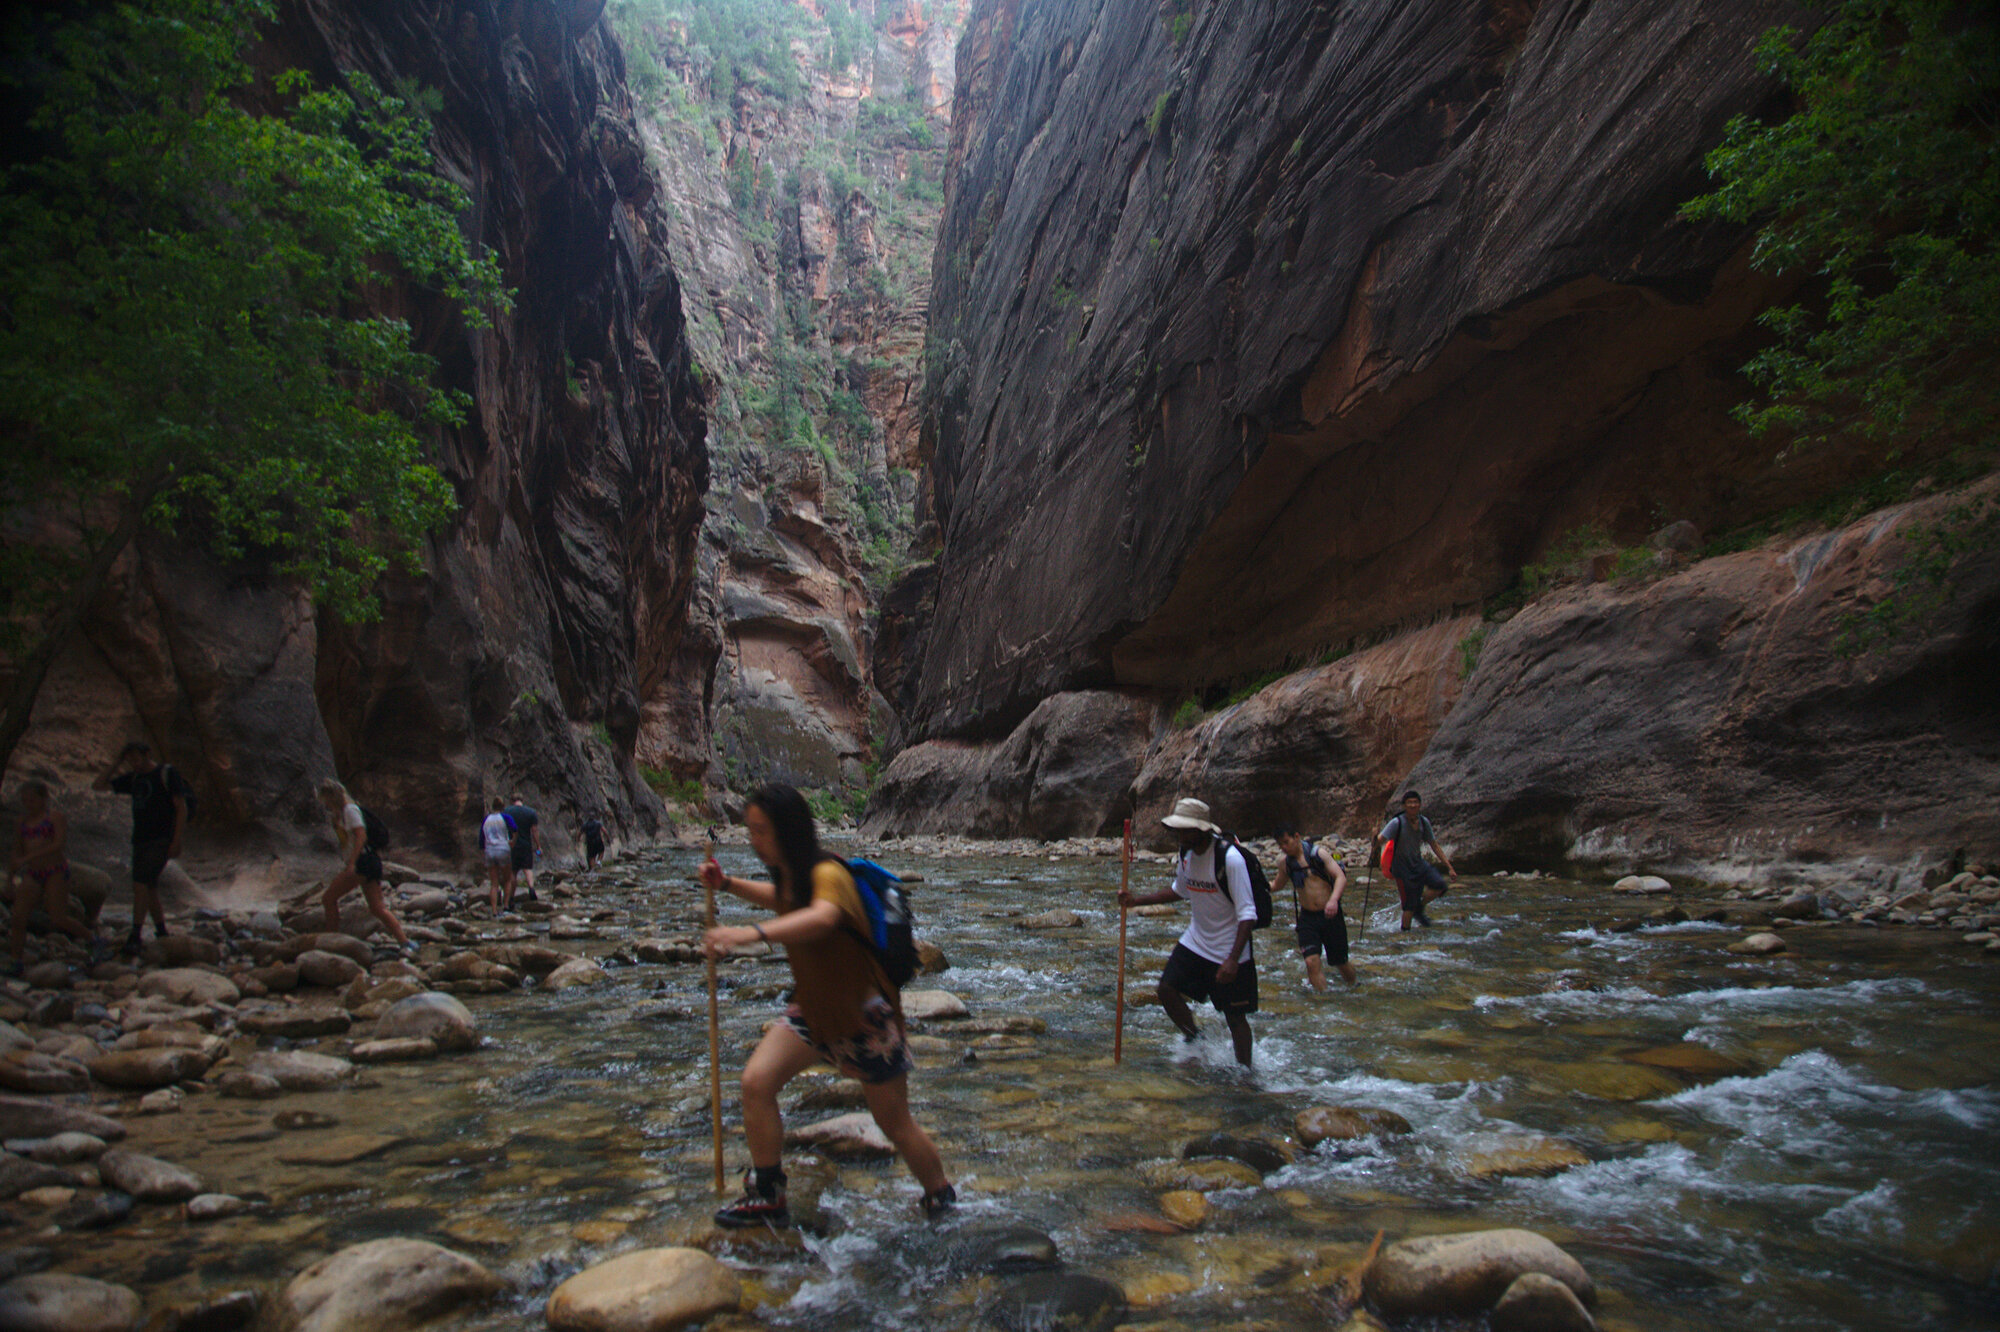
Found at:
<point>1844,1178</point>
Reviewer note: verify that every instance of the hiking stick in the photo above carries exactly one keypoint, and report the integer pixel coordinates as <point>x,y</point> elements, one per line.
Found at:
<point>714,1033</point>
<point>1124,883</point>
<point>1367,882</point>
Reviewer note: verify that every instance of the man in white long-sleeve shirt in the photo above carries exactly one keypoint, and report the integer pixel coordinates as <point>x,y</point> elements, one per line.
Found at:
<point>1213,960</point>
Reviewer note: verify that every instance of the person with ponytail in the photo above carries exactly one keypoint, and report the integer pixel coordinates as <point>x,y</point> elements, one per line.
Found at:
<point>844,1010</point>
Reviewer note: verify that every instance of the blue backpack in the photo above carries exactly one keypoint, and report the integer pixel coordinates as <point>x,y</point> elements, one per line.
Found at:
<point>891,924</point>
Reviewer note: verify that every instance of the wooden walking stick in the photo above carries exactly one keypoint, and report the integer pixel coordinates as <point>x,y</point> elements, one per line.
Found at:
<point>714,1032</point>
<point>1124,883</point>
<point>1367,882</point>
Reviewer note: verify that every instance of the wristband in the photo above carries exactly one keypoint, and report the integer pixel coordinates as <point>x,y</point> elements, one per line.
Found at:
<point>760,933</point>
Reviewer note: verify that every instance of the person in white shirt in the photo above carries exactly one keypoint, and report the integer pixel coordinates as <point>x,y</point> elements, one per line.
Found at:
<point>1213,960</point>
<point>362,868</point>
<point>496,837</point>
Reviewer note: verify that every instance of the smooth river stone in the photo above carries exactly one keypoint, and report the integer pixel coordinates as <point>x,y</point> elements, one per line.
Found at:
<point>651,1290</point>
<point>328,970</point>
<point>148,1178</point>
<point>189,986</point>
<point>852,1137</point>
<point>1059,919</point>
<point>297,1024</point>
<point>1070,1301</point>
<point>395,1050</point>
<point>61,1149</point>
<point>1465,1273</point>
<point>386,1285</point>
<point>1200,1176</point>
<point>1696,1060</point>
<point>1501,1155</point>
<point>1645,885</point>
<point>439,1018</point>
<point>56,1302</point>
<point>300,1070</point>
<point>39,1074</point>
<point>248,1086</point>
<point>1186,1208</point>
<point>1346,1123</point>
<point>932,1005</point>
<point>576,972</point>
<point>19,1175</point>
<point>1257,1153</point>
<point>1004,1248</point>
<point>1759,945</point>
<point>1536,1302</point>
<point>161,1066</point>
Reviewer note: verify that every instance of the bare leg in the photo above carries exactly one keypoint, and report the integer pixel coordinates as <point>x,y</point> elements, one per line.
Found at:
<point>1239,1035</point>
<point>778,1058</point>
<point>146,902</point>
<point>55,900</point>
<point>343,883</point>
<point>889,1102</point>
<point>27,896</point>
<point>1346,970</point>
<point>371,890</point>
<point>1177,1011</point>
<point>1316,972</point>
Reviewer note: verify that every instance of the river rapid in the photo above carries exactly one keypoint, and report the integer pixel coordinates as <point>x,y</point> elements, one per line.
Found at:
<point>1816,1151</point>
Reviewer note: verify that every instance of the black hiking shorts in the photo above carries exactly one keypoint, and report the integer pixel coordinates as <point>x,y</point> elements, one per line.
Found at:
<point>1319,932</point>
<point>1193,977</point>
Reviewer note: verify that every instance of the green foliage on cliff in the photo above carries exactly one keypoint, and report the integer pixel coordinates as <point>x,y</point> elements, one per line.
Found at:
<point>1885,184</point>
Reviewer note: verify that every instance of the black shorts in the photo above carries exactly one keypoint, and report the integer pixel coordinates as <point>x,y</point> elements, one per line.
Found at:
<point>1193,977</point>
<point>524,858</point>
<point>1411,890</point>
<point>1319,932</point>
<point>149,859</point>
<point>593,845</point>
<point>369,865</point>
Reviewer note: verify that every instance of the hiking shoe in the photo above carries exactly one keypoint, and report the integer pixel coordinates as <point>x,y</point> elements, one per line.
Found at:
<point>940,1203</point>
<point>755,1209</point>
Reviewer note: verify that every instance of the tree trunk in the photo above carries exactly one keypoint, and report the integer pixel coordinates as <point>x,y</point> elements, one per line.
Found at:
<point>62,626</point>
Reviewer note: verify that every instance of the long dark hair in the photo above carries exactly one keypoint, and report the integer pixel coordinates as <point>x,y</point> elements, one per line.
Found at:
<point>798,842</point>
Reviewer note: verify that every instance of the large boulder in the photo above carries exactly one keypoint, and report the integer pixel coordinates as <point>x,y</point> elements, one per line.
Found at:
<point>439,1018</point>
<point>1466,1273</point>
<point>189,986</point>
<point>300,1070</point>
<point>652,1290</point>
<point>385,1285</point>
<point>58,1302</point>
<point>574,973</point>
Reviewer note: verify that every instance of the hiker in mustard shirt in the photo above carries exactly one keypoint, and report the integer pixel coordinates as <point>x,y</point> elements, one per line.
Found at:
<point>844,1011</point>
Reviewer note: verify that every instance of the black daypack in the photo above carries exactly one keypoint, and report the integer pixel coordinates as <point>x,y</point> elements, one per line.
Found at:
<point>891,924</point>
<point>375,831</point>
<point>1260,885</point>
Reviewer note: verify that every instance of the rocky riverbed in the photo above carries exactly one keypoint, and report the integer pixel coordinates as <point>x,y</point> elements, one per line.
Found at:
<point>265,1120</point>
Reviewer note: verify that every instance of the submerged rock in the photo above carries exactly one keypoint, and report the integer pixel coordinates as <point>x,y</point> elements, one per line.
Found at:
<point>1537,1302</point>
<point>1498,1155</point>
<point>1343,1123</point>
<point>652,1290</point>
<point>148,1178</point>
<point>300,1070</point>
<point>1466,1273</point>
<point>1005,1248</point>
<point>1259,1154</point>
<point>1058,1302</point>
<point>1759,945</point>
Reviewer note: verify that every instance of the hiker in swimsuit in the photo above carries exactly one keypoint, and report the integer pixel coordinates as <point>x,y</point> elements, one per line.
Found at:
<point>39,869</point>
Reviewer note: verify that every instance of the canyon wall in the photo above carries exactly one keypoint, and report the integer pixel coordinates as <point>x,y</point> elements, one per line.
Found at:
<point>1259,328</point>
<point>551,616</point>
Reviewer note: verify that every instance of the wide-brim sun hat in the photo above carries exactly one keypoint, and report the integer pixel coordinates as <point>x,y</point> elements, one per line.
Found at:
<point>1191,814</point>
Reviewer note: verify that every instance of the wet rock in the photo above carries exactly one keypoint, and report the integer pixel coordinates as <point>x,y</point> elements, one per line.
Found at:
<point>1759,945</point>
<point>57,1302</point>
<point>1058,1302</point>
<point>51,1010</point>
<point>40,1074</point>
<point>340,944</point>
<point>1259,1154</point>
<point>932,1005</point>
<point>248,1086</point>
<point>666,951</point>
<point>294,1120</point>
<point>394,1050</point>
<point>26,1117</point>
<point>327,970</point>
<point>1502,1155</point>
<point>300,1070</point>
<point>281,978</point>
<point>215,1206</point>
<point>1642,884</point>
<point>1694,1060</point>
<point>345,1149</point>
<point>1004,1248</point>
<point>189,986</point>
<point>182,950</point>
<point>18,1175</point>
<point>159,1067</point>
<point>95,1211</point>
<point>1186,1208</point>
<point>648,1291</point>
<point>1612,1082</point>
<point>1200,1176</point>
<point>296,1024</point>
<point>185,1035</point>
<point>931,959</point>
<point>526,958</point>
<point>47,976</point>
<point>431,902</point>
<point>853,1137</point>
<point>381,1286</point>
<point>62,1149</point>
<point>225,1313</point>
<point>49,1195</point>
<point>471,968</point>
<point>1059,919</point>
<point>831,1094</point>
<point>1465,1273</point>
<point>366,994</point>
<point>161,1101</point>
<point>147,1178</point>
<point>23,1259</point>
<point>13,1038</point>
<point>1536,1302</point>
<point>576,972</point>
<point>1341,1123</point>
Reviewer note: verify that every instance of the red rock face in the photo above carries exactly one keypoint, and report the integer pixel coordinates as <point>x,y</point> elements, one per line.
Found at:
<point>1314,319</point>
<point>554,610</point>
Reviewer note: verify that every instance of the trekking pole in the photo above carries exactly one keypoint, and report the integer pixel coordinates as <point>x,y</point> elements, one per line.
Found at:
<point>1367,882</point>
<point>1124,883</point>
<point>714,1032</point>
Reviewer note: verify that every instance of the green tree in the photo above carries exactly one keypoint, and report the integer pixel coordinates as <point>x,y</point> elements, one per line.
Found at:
<point>184,334</point>
<point>1884,181</point>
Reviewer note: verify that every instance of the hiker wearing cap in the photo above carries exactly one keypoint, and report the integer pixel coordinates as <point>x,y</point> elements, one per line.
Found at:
<point>844,1011</point>
<point>1417,881</point>
<point>1318,883</point>
<point>1213,959</point>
